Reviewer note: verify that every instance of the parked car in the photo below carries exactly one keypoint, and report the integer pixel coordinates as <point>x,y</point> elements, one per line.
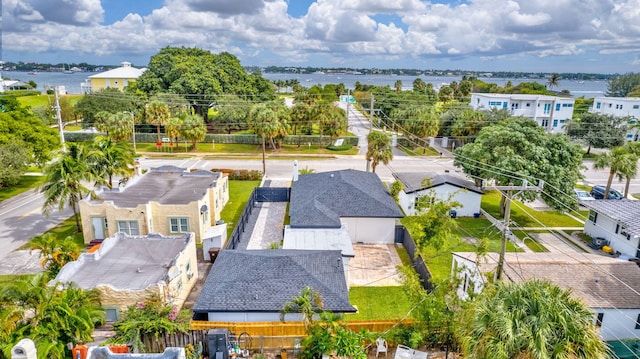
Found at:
<point>582,195</point>
<point>597,192</point>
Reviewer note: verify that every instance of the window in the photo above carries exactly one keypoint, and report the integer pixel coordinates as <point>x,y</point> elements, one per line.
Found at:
<point>545,123</point>
<point>629,135</point>
<point>599,319</point>
<point>598,104</point>
<point>555,123</point>
<point>632,122</point>
<point>610,105</point>
<point>617,228</point>
<point>557,107</point>
<point>528,104</point>
<point>129,227</point>
<point>495,103</point>
<point>567,105</point>
<point>638,322</point>
<point>635,107</point>
<point>179,225</point>
<point>547,108</point>
<point>593,216</point>
<point>563,121</point>
<point>111,315</point>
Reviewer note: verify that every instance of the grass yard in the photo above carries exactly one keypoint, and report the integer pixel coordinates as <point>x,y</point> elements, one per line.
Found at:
<point>525,216</point>
<point>243,149</point>
<point>64,230</point>
<point>45,100</point>
<point>378,303</point>
<point>419,151</point>
<point>239,192</point>
<point>26,183</point>
<point>529,241</point>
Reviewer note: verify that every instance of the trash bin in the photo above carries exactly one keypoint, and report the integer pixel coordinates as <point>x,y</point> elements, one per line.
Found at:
<point>453,213</point>
<point>213,253</point>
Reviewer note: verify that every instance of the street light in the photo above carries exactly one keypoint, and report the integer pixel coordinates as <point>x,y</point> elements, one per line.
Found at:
<point>133,121</point>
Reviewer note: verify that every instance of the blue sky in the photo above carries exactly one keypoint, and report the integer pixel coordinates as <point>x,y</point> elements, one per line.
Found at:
<point>486,35</point>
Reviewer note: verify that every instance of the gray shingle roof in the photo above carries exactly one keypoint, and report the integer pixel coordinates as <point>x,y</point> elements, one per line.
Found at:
<point>624,211</point>
<point>413,181</point>
<point>600,281</point>
<point>165,185</point>
<point>264,280</point>
<point>318,200</point>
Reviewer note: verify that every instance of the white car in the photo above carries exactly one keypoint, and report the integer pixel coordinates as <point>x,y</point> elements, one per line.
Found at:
<point>583,195</point>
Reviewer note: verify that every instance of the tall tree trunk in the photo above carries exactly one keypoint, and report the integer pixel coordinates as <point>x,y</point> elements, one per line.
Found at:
<point>608,188</point>
<point>626,187</point>
<point>158,127</point>
<point>76,215</point>
<point>589,149</point>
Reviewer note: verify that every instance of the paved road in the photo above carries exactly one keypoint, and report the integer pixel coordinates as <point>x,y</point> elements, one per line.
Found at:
<point>21,218</point>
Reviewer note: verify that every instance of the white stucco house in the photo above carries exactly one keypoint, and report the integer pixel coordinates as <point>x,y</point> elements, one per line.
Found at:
<point>620,107</point>
<point>441,186</point>
<point>616,221</point>
<point>550,112</point>
<point>605,284</point>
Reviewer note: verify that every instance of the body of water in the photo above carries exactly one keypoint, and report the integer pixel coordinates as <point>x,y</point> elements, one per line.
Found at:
<point>72,81</point>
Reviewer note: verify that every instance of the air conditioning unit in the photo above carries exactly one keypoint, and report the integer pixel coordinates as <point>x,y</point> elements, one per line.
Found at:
<point>189,274</point>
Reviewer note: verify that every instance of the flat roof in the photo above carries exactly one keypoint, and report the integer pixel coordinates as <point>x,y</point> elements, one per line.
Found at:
<point>319,239</point>
<point>126,262</point>
<point>165,185</point>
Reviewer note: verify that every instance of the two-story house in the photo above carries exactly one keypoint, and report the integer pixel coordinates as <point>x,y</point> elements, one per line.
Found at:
<point>118,78</point>
<point>620,107</point>
<point>167,200</point>
<point>550,112</point>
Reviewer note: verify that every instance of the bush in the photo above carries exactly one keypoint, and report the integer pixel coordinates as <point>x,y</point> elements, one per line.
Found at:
<point>343,147</point>
<point>240,175</point>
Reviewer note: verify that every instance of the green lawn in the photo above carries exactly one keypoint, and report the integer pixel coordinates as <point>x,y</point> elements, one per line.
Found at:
<point>242,149</point>
<point>239,192</point>
<point>63,230</point>
<point>524,216</point>
<point>45,100</point>
<point>378,303</point>
<point>529,241</point>
<point>26,183</point>
<point>420,151</point>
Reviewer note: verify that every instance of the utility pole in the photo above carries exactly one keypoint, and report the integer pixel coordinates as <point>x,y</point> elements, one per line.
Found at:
<point>370,127</point>
<point>507,216</point>
<point>59,118</point>
<point>264,164</point>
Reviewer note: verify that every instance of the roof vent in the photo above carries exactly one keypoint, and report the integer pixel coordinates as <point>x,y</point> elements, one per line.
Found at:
<point>139,270</point>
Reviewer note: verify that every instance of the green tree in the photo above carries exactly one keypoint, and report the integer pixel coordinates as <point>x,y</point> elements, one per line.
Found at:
<point>13,162</point>
<point>201,77</point>
<point>622,85</point>
<point>269,119</point>
<point>419,85</point>
<point>398,85</point>
<point>109,158</point>
<point>468,124</point>
<point>152,318</point>
<point>64,178</point>
<point>233,113</point>
<point>417,121</point>
<point>19,126</point>
<point>193,129</point>
<point>172,128</point>
<point>110,100</point>
<point>532,319</point>
<point>379,149</point>
<point>621,163</point>
<point>631,171</point>
<point>117,126</point>
<point>598,130</point>
<point>554,81</point>
<point>517,149</point>
<point>308,303</point>
<point>54,252</point>
<point>52,315</point>
<point>446,93</point>
<point>157,113</point>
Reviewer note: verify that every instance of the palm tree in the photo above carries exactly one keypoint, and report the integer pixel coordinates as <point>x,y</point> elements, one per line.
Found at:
<point>55,253</point>
<point>158,113</point>
<point>379,149</point>
<point>118,126</point>
<point>308,303</point>
<point>553,81</point>
<point>270,120</point>
<point>632,169</point>
<point>532,319</point>
<point>108,158</point>
<point>57,314</point>
<point>172,128</point>
<point>193,129</point>
<point>398,85</point>
<point>64,177</point>
<point>620,162</point>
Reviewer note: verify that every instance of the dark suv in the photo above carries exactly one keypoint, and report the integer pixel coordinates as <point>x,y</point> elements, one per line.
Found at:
<point>597,192</point>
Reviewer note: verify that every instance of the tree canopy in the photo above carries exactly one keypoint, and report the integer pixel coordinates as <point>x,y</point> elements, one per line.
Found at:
<point>598,130</point>
<point>201,77</point>
<point>110,100</point>
<point>517,149</point>
<point>622,85</point>
<point>532,319</point>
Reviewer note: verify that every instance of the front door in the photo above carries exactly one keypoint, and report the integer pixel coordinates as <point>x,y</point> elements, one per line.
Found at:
<point>98,227</point>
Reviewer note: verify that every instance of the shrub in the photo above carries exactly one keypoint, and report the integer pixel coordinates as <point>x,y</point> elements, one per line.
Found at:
<point>240,175</point>
<point>343,147</point>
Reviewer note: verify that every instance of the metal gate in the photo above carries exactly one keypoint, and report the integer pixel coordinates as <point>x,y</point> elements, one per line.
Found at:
<point>273,194</point>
